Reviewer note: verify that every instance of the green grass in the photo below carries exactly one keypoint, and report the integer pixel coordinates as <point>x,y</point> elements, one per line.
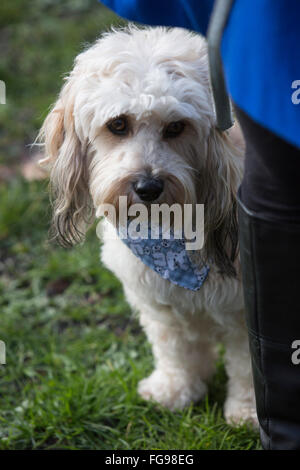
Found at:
<point>75,353</point>
<point>39,41</point>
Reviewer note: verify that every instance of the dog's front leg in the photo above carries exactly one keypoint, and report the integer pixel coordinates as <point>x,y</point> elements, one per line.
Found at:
<point>184,360</point>
<point>240,402</point>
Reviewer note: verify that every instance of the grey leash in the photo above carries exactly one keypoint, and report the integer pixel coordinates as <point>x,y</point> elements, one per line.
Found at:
<point>215,31</point>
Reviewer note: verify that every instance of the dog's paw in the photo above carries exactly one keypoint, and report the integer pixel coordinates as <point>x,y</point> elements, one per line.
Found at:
<point>172,390</point>
<point>237,413</point>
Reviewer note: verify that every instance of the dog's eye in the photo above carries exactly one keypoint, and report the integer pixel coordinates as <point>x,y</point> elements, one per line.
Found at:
<point>174,129</point>
<point>118,126</point>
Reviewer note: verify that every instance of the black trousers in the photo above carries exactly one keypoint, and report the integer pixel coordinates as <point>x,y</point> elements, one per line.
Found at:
<point>271,184</point>
<point>269,223</point>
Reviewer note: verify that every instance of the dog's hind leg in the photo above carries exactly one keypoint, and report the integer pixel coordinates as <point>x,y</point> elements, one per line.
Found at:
<point>184,360</point>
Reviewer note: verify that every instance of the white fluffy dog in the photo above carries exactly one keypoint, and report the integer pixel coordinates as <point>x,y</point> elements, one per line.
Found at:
<point>137,106</point>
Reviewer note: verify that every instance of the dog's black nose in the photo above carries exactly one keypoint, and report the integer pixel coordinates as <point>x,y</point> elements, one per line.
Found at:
<point>149,189</point>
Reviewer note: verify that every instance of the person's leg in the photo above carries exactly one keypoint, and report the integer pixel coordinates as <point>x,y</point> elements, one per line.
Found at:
<point>269,220</point>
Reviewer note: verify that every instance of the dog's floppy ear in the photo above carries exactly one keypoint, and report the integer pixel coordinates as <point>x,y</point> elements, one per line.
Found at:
<point>65,157</point>
<point>220,181</point>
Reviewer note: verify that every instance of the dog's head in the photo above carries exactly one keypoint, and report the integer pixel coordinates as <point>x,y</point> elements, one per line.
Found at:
<point>135,117</point>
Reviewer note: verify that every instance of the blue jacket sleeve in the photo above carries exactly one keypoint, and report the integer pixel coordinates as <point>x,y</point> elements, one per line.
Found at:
<point>190,14</point>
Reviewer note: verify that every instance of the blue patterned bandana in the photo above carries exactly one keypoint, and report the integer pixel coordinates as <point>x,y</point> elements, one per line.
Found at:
<point>170,259</point>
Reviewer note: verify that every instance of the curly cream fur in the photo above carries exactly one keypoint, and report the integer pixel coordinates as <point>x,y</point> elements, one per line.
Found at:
<point>155,76</point>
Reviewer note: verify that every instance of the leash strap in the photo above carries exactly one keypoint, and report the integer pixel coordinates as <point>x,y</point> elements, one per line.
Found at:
<point>215,31</point>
